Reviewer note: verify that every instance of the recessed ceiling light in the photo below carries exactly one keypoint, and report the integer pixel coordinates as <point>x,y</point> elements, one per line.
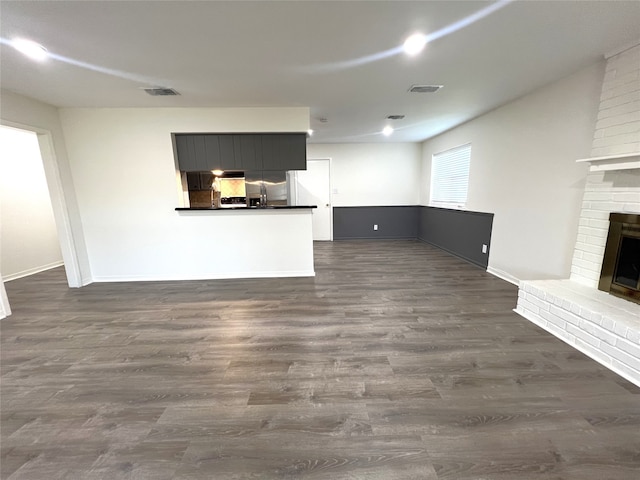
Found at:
<point>414,44</point>
<point>388,130</point>
<point>29,48</point>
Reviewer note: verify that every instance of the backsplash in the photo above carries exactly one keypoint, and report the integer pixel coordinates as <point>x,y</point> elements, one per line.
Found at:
<point>231,187</point>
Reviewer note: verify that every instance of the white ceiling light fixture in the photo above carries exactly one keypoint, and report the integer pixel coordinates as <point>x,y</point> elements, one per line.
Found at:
<point>388,130</point>
<point>310,132</point>
<point>31,49</point>
<point>414,44</point>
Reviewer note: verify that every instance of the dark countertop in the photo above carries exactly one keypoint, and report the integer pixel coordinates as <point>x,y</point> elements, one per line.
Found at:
<point>251,209</point>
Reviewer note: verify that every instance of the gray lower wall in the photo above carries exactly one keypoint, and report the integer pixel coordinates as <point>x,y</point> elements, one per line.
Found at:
<point>392,221</point>
<point>458,232</point>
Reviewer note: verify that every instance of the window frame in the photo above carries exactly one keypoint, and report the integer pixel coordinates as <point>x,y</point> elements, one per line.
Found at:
<point>456,175</point>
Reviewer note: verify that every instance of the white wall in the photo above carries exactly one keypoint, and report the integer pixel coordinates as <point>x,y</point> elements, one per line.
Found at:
<point>523,170</point>
<point>124,169</point>
<point>372,174</point>
<point>28,235</point>
<point>30,114</point>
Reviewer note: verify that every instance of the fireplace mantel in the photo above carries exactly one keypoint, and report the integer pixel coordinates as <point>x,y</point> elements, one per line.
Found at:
<point>625,161</point>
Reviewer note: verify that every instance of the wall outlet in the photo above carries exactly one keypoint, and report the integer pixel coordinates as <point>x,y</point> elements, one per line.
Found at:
<point>375,226</point>
<point>484,248</point>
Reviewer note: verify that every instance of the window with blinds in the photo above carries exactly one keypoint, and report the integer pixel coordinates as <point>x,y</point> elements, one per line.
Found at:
<point>450,177</point>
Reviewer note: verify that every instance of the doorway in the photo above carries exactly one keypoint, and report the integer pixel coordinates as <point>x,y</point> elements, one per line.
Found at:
<point>313,187</point>
<point>29,235</point>
<point>48,188</point>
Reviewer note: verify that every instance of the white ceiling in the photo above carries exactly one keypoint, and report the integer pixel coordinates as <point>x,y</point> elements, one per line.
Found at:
<point>297,53</point>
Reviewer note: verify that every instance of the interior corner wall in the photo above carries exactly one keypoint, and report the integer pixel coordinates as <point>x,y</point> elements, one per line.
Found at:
<point>371,174</point>
<point>523,170</point>
<point>24,112</point>
<point>28,235</point>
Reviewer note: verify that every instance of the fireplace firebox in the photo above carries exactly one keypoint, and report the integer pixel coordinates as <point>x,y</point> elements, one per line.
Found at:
<point>620,274</point>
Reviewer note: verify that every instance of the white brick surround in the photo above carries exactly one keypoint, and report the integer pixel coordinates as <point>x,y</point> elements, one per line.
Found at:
<point>618,125</point>
<point>605,192</point>
<point>617,132</point>
<point>600,325</point>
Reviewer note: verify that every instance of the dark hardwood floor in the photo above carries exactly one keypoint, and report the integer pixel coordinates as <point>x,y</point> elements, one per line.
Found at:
<point>397,361</point>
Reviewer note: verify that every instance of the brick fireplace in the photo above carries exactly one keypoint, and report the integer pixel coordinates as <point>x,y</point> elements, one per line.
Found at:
<point>605,327</point>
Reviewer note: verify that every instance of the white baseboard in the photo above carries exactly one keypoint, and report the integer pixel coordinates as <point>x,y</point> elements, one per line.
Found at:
<point>213,276</point>
<point>507,277</point>
<point>32,271</point>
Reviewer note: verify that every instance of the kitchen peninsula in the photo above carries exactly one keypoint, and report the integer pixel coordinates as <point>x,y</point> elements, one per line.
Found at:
<point>248,242</point>
<point>237,194</point>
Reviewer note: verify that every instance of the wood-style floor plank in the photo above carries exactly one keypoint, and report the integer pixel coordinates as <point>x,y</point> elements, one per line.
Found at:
<point>397,361</point>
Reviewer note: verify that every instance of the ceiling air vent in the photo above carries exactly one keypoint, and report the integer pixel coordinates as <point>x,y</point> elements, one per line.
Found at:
<point>395,117</point>
<point>161,92</point>
<point>425,88</point>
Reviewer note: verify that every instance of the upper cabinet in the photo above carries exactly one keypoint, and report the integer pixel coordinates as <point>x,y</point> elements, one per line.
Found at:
<point>284,151</point>
<point>196,152</point>
<point>199,180</point>
<point>248,150</point>
<point>185,150</point>
<point>228,158</point>
<point>241,151</point>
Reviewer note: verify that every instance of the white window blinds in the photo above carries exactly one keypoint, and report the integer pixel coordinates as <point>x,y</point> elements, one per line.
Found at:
<point>450,177</point>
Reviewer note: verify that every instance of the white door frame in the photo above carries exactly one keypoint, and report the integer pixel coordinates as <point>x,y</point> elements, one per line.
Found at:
<point>328,159</point>
<point>60,210</point>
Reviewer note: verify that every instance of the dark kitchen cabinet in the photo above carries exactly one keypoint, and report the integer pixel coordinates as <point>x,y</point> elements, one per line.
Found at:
<point>200,147</point>
<point>185,150</point>
<point>296,151</point>
<point>286,151</point>
<point>248,151</point>
<point>228,160</point>
<point>193,180</point>
<point>192,152</point>
<point>213,160</point>
<point>199,181</point>
<point>268,151</point>
<point>206,181</point>
<point>198,152</point>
